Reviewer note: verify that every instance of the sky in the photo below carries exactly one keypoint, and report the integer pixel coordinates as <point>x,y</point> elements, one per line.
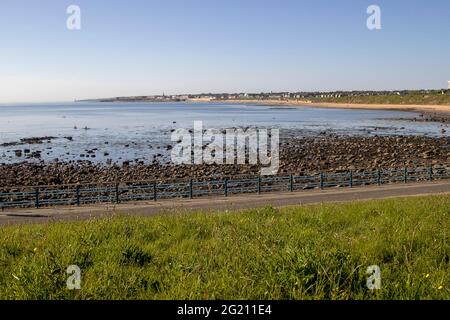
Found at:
<point>146,47</point>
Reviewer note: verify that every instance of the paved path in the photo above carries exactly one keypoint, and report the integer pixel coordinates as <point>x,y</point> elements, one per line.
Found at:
<point>234,202</point>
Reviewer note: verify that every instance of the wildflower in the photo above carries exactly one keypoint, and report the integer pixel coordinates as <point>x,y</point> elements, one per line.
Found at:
<point>440,287</point>
<point>427,276</point>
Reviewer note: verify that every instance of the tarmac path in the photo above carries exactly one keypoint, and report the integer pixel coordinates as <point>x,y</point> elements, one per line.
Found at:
<point>216,203</point>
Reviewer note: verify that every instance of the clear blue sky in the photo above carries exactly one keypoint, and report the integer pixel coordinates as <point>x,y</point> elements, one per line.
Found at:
<point>142,47</point>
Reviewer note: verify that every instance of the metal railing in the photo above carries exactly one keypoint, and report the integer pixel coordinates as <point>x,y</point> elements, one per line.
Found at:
<point>81,194</point>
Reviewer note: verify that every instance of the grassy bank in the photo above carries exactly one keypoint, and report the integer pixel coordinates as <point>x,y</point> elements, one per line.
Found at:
<point>408,99</point>
<point>310,252</point>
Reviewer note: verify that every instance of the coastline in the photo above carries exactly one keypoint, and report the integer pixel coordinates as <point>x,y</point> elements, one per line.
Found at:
<point>442,109</point>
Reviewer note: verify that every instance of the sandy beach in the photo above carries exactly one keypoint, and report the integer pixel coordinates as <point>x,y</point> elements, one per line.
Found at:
<point>441,109</point>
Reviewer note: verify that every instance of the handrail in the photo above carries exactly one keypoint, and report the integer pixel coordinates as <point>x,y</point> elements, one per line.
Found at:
<point>116,192</point>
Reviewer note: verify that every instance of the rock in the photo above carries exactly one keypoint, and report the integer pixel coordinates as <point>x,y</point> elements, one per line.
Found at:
<point>36,154</point>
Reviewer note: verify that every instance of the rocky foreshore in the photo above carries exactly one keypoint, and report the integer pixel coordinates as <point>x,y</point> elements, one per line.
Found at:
<point>298,156</point>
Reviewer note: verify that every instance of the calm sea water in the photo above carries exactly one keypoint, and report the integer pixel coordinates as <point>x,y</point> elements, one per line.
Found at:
<point>137,131</point>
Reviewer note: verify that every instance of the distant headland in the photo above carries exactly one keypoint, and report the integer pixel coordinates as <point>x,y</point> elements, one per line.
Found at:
<point>426,100</point>
<point>401,97</point>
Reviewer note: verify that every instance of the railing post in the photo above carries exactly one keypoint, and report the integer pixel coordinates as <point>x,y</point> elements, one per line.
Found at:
<point>191,192</point>
<point>321,181</point>
<point>36,200</point>
<point>259,185</point>
<point>291,183</point>
<point>405,175</point>
<point>351,179</point>
<point>155,195</point>
<point>430,173</point>
<point>225,187</point>
<point>379,177</point>
<point>78,195</point>
<point>117,193</point>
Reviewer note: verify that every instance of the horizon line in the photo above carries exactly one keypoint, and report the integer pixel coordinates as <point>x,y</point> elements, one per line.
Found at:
<point>217,93</point>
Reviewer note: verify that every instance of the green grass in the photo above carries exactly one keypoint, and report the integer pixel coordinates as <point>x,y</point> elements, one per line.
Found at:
<point>309,252</point>
<point>412,99</point>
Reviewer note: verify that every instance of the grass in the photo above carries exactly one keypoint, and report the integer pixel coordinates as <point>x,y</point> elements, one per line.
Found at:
<point>308,252</point>
<point>411,99</point>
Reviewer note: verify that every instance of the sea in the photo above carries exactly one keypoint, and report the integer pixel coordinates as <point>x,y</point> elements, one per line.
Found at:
<point>117,132</point>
